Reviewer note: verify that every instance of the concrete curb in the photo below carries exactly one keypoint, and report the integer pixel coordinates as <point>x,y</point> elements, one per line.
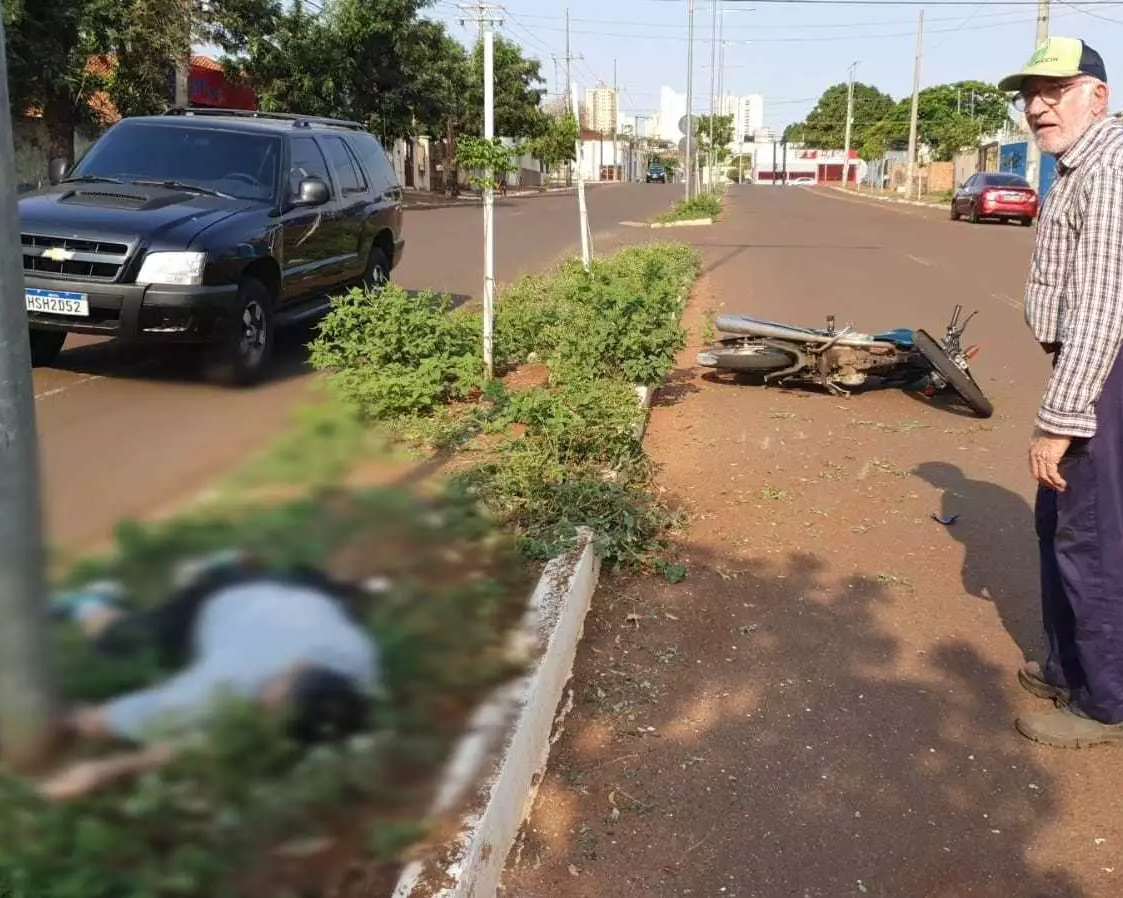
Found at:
<point>889,199</point>
<point>517,722</point>
<point>690,223</point>
<point>645,394</point>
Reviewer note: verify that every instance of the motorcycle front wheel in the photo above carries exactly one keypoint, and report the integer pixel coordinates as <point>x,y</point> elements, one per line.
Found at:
<point>734,355</point>
<point>958,379</point>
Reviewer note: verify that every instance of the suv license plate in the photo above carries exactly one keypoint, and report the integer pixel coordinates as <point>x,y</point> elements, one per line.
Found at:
<point>58,302</point>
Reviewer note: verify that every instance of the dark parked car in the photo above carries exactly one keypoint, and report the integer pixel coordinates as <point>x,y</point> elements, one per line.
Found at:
<point>208,227</point>
<point>656,172</point>
<point>997,195</point>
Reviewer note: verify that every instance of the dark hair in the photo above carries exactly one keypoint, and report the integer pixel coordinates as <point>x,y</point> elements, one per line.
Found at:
<point>325,705</point>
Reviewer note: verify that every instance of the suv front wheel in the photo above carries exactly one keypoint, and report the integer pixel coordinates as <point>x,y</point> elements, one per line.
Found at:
<point>241,356</point>
<point>378,270</point>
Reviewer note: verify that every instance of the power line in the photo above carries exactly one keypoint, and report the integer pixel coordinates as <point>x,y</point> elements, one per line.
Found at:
<point>1011,16</point>
<point>902,3</point>
<point>790,40</point>
<point>1095,15</point>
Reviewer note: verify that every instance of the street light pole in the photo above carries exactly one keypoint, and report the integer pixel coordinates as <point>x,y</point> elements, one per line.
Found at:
<point>1033,152</point>
<point>915,106</point>
<point>688,166</point>
<point>713,92</point>
<point>849,125</point>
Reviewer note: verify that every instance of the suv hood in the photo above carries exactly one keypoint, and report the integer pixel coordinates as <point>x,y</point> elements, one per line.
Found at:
<point>126,212</point>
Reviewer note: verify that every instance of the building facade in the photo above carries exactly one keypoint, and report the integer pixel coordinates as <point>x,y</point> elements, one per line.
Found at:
<point>748,115</point>
<point>601,110</point>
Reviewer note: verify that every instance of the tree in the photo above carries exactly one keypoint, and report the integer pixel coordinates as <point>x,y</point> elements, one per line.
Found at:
<point>49,45</point>
<point>517,100</point>
<point>722,136</point>
<point>557,144</point>
<point>825,126</point>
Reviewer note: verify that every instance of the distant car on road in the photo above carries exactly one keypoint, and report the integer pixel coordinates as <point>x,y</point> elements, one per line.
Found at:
<point>208,227</point>
<point>802,180</point>
<point>656,172</point>
<point>1001,196</point>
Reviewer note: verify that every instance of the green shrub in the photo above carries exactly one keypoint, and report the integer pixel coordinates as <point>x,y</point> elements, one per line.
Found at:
<point>626,320</point>
<point>529,315</point>
<point>701,205</point>
<point>391,354</point>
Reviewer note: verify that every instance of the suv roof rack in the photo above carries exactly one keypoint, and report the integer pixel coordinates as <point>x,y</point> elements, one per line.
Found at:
<point>298,121</point>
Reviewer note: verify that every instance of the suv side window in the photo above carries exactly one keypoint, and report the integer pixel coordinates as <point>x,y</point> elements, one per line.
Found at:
<point>374,160</point>
<point>351,179</point>
<point>307,162</point>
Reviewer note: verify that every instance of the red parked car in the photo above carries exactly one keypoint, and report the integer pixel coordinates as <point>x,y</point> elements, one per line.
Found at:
<point>997,195</point>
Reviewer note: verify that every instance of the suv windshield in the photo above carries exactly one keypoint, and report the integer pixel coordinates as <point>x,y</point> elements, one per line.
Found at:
<point>236,163</point>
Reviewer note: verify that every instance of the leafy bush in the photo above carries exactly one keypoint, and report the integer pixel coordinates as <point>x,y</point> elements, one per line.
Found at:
<point>208,823</point>
<point>701,205</point>
<point>390,354</point>
<point>625,321</point>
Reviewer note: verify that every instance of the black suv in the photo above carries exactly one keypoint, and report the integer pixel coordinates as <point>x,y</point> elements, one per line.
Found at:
<point>211,227</point>
<point>656,172</point>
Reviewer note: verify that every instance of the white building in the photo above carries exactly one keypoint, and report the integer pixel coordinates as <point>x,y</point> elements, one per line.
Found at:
<point>672,107</point>
<point>601,109</point>
<point>747,112</point>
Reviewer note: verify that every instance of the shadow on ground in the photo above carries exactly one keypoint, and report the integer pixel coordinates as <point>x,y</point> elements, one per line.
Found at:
<point>757,731</point>
<point>1000,563</point>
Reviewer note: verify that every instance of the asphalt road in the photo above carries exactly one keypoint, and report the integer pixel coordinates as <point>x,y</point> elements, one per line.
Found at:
<point>824,707</point>
<point>128,431</point>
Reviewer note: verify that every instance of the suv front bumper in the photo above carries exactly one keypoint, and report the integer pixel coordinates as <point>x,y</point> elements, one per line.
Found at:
<point>138,311</point>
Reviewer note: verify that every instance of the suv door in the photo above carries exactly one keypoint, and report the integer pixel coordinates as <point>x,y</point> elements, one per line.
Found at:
<point>309,241</point>
<point>353,208</point>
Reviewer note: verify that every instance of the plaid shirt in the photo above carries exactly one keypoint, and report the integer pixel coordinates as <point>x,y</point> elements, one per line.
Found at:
<point>1074,295</point>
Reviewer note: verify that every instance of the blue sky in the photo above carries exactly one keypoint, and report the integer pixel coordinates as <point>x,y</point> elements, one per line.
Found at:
<point>791,52</point>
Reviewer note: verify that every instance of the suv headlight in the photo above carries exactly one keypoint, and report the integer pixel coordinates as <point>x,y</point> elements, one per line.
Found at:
<point>182,269</point>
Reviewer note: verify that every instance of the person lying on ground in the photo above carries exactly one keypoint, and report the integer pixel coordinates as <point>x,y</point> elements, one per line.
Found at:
<point>289,641</point>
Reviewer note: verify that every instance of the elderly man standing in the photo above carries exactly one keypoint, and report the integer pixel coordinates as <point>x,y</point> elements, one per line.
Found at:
<point>1074,305</point>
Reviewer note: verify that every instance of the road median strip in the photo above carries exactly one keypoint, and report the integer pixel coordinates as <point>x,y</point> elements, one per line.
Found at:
<point>543,466</point>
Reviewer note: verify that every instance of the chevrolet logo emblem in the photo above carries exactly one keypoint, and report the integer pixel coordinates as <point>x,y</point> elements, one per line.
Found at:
<point>58,254</point>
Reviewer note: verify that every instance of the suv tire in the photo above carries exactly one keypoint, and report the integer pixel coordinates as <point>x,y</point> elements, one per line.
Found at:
<point>242,355</point>
<point>378,270</point>
<point>46,346</point>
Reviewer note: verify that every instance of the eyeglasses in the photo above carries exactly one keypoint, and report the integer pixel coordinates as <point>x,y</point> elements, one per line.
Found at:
<point>1051,94</point>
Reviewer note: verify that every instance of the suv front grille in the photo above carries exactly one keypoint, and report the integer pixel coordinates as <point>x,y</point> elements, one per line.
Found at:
<point>95,260</point>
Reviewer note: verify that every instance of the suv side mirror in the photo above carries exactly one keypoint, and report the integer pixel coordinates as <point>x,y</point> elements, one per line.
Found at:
<point>312,192</point>
<point>56,171</point>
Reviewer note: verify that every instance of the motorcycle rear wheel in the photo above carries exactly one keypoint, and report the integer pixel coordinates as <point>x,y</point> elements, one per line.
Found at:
<point>732,355</point>
<point>958,379</point>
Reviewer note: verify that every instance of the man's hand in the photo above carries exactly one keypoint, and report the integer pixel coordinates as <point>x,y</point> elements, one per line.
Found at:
<point>1045,453</point>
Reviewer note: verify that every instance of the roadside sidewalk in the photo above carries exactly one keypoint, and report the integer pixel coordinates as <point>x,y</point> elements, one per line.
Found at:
<point>822,708</point>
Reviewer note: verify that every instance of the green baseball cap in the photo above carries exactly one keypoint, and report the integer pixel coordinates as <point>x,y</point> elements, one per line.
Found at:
<point>1059,57</point>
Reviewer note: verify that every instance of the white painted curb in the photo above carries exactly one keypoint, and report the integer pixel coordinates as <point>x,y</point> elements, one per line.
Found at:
<point>689,223</point>
<point>889,199</point>
<point>473,862</point>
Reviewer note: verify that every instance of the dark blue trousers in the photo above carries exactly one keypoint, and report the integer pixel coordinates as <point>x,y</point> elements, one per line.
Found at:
<point>1080,532</point>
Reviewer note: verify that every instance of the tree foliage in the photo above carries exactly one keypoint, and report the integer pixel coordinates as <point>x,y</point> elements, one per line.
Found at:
<point>722,136</point>
<point>517,98</point>
<point>950,117</point>
<point>557,144</point>
<point>825,126</point>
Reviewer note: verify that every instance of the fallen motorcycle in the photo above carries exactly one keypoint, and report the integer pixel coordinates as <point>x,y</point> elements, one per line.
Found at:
<point>837,359</point>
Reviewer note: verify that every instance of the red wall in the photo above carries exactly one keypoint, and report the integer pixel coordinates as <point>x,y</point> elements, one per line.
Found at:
<point>210,88</point>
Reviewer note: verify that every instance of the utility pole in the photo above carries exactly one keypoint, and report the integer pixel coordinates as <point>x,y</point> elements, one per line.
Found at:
<point>713,95</point>
<point>182,61</point>
<point>582,205</point>
<point>616,118</point>
<point>689,166</point>
<point>485,17</point>
<point>849,125</point>
<point>1033,152</point>
<point>571,104</point>
<point>28,710</point>
<point>915,105</point>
